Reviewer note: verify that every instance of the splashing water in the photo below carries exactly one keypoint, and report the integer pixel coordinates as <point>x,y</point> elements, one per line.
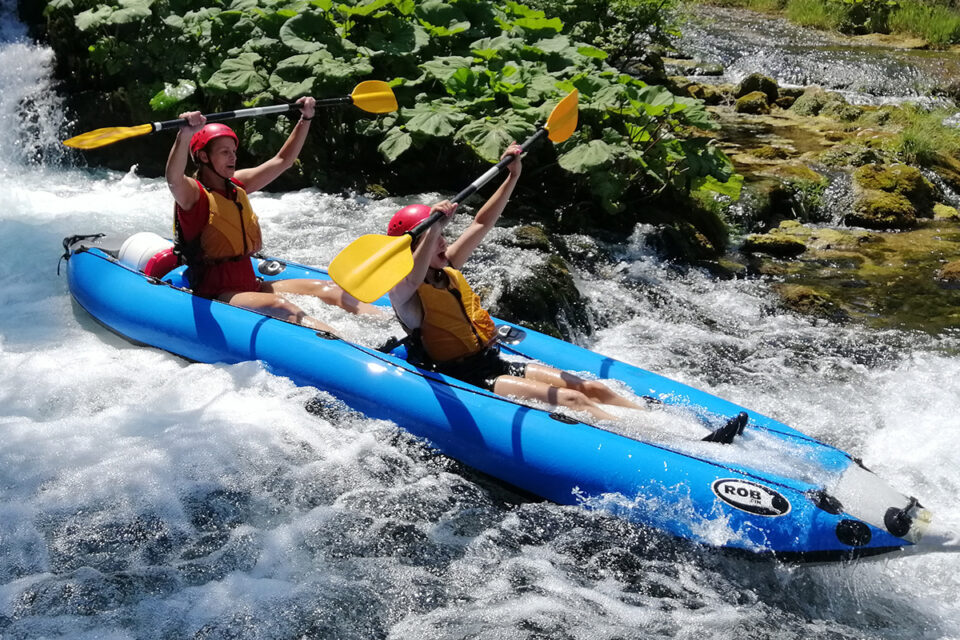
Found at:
<point>147,497</point>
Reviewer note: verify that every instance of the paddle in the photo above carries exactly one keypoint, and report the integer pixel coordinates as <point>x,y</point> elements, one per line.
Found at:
<point>373,264</point>
<point>373,96</point>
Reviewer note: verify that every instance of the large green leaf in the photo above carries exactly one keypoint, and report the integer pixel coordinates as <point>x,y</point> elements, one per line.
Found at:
<point>441,19</point>
<point>489,137</point>
<point>433,119</point>
<point>396,37</point>
<point>93,18</point>
<point>489,48</point>
<point>443,67</point>
<point>306,32</point>
<point>589,157</point>
<point>239,75</point>
<point>173,94</point>
<point>295,76</point>
<point>396,142</point>
<point>730,188</point>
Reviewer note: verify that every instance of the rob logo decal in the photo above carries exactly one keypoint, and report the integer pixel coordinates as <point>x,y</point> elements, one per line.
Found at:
<point>751,497</point>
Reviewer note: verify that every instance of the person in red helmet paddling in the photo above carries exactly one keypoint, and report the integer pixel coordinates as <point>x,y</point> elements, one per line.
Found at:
<point>454,334</point>
<point>216,230</point>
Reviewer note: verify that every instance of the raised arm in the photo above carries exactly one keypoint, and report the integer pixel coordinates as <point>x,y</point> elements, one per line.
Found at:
<point>256,178</point>
<point>184,190</point>
<point>464,246</point>
<point>422,255</point>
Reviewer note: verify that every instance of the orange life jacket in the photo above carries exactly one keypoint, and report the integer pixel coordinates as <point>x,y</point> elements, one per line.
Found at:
<point>454,324</point>
<point>232,230</point>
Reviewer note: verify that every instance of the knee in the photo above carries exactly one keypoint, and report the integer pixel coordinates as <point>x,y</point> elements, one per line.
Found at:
<point>280,308</point>
<point>596,388</point>
<point>573,398</point>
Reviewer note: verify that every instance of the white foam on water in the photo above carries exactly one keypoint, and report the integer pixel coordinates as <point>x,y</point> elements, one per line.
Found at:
<point>147,497</point>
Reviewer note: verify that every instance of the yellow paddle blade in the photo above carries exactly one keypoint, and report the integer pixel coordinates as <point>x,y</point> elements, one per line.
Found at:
<point>372,264</point>
<point>563,119</point>
<point>374,96</point>
<point>108,135</point>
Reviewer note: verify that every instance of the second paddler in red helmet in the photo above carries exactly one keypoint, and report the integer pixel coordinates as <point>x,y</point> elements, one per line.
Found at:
<point>216,230</point>
<point>450,329</point>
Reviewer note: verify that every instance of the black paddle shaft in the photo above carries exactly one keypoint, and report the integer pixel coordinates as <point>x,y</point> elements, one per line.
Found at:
<point>476,184</point>
<point>247,113</point>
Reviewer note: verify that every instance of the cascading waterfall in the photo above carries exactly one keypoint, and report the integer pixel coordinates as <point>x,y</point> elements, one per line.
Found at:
<point>147,497</point>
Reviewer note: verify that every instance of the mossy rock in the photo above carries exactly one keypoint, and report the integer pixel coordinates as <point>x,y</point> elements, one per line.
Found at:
<point>709,94</point>
<point>950,273</point>
<point>899,179</point>
<point>778,245</point>
<point>753,103</point>
<point>683,241</point>
<point>529,236</point>
<point>875,209</point>
<point>758,82</point>
<point>945,212</point>
<point>837,107</point>
<point>810,302</point>
<point>851,155</point>
<point>548,300</point>
<point>791,92</point>
<point>377,191</point>
<point>811,102</point>
<point>769,152</point>
<point>785,102</point>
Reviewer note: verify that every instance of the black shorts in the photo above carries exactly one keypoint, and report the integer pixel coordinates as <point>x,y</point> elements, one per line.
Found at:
<point>483,369</point>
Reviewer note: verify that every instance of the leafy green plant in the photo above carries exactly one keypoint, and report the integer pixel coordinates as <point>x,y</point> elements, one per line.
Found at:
<point>470,75</point>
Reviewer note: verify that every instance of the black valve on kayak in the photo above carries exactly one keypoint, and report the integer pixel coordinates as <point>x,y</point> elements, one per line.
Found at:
<point>271,267</point>
<point>823,500</point>
<point>510,335</point>
<point>898,521</point>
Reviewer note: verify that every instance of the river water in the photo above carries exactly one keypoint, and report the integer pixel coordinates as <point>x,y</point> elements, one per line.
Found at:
<point>145,497</point>
<point>744,42</point>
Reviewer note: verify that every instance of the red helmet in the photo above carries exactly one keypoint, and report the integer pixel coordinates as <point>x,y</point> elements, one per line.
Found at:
<point>214,130</point>
<point>407,218</point>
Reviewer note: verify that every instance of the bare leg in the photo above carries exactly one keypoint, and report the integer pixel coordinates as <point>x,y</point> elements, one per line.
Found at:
<point>557,396</point>
<point>593,389</point>
<point>273,306</point>
<point>329,292</point>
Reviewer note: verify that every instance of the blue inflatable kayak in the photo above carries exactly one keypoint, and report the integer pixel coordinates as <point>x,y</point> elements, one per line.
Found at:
<point>774,491</point>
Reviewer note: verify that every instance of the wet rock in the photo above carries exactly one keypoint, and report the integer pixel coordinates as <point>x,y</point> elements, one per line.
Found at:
<point>769,152</point>
<point>899,179</point>
<point>776,244</point>
<point>785,102</point>
<point>837,107</point>
<point>791,92</point>
<point>758,82</point>
<point>950,273</point>
<point>875,209</point>
<point>753,103</point>
<point>548,300</point>
<point>810,102</point>
<point>945,212</point>
<point>530,237</point>
<point>809,301</point>
<point>710,95</point>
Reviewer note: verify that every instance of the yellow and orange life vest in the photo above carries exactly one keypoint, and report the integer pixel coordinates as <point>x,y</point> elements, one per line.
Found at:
<point>454,324</point>
<point>232,230</point>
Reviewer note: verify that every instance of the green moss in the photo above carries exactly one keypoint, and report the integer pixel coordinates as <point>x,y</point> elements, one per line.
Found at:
<point>877,209</point>
<point>754,102</point>
<point>775,244</point>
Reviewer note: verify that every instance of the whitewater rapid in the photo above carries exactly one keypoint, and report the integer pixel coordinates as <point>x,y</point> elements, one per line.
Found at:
<point>142,496</point>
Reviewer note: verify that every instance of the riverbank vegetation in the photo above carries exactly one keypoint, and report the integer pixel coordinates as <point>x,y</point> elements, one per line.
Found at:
<point>470,76</point>
<point>935,21</point>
